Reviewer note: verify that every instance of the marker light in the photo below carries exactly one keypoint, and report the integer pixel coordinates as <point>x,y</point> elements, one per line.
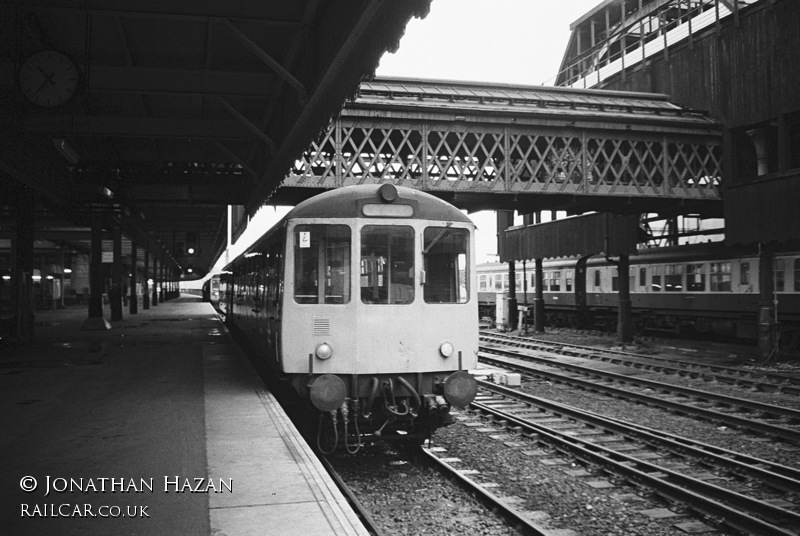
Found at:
<point>446,349</point>
<point>324,351</point>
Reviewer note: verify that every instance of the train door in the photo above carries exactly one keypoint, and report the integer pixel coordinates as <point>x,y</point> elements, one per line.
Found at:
<point>581,306</point>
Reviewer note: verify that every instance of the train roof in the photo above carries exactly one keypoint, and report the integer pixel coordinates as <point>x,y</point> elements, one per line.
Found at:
<point>350,202</point>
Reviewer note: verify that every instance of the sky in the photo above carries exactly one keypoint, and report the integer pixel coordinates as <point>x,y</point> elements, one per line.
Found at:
<point>503,41</point>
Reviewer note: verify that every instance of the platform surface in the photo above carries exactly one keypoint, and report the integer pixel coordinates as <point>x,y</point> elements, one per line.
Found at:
<point>156,426</point>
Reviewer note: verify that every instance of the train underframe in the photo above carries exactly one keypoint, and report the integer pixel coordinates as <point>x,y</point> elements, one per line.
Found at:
<point>351,410</point>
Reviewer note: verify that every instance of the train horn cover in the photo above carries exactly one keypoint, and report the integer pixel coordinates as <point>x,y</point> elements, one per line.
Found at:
<point>460,389</point>
<point>328,392</point>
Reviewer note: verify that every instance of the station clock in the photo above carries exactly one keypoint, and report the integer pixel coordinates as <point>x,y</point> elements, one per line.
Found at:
<point>48,78</point>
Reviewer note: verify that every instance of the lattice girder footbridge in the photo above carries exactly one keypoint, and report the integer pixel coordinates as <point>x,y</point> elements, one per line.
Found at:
<point>531,147</point>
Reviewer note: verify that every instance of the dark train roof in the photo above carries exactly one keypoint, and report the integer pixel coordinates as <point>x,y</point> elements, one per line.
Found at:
<point>347,202</point>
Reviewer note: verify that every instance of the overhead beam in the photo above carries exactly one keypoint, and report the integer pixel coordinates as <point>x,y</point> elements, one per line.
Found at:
<point>252,127</point>
<point>106,79</point>
<point>136,127</point>
<point>273,64</point>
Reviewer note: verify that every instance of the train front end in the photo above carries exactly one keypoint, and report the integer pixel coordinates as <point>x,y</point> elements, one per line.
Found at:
<point>380,312</point>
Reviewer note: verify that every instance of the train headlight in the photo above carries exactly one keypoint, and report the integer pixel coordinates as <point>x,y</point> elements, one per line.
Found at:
<point>324,351</point>
<point>446,349</point>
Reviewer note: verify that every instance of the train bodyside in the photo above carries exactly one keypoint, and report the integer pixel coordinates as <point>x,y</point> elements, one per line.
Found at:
<point>365,299</point>
<point>702,289</point>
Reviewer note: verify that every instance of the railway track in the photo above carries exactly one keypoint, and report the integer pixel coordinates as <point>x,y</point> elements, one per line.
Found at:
<point>359,509</point>
<point>516,517</point>
<point>756,380</point>
<point>398,489</point>
<point>775,421</point>
<point>747,494</point>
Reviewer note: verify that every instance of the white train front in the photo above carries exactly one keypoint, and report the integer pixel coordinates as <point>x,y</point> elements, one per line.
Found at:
<point>365,299</point>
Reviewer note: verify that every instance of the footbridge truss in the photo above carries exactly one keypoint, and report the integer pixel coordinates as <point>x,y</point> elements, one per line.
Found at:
<point>525,148</point>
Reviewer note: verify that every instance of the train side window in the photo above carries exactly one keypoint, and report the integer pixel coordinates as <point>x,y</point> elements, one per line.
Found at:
<point>720,277</point>
<point>614,279</point>
<point>387,264</point>
<point>642,277</point>
<point>322,264</point>
<point>797,274</point>
<point>673,278</point>
<point>445,253</point>
<point>695,278</point>
<point>744,273</point>
<point>656,278</point>
<point>597,278</point>
<point>780,275</point>
<point>570,275</point>
<point>555,281</point>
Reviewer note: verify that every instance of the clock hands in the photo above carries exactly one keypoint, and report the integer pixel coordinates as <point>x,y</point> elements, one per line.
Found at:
<point>48,78</point>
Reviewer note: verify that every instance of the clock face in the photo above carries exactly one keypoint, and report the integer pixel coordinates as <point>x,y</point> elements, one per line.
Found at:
<point>48,78</point>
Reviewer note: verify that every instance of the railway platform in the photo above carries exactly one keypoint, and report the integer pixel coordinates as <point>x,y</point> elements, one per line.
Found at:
<point>156,426</point>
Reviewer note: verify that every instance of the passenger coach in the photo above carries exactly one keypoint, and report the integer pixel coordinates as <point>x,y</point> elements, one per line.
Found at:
<point>364,298</point>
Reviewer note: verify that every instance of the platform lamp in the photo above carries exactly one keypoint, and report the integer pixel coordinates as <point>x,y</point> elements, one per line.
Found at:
<point>191,243</point>
<point>66,150</point>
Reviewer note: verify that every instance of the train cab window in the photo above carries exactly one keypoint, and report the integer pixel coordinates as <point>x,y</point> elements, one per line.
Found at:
<point>673,278</point>
<point>322,264</point>
<point>780,275</point>
<point>445,252</point>
<point>720,277</point>
<point>696,279</point>
<point>387,264</point>
<point>655,278</point>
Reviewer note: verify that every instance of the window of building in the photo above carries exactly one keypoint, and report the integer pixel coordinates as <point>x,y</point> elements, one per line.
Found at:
<point>498,283</point>
<point>445,253</point>
<point>387,264</point>
<point>322,264</point>
<point>695,278</point>
<point>720,277</point>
